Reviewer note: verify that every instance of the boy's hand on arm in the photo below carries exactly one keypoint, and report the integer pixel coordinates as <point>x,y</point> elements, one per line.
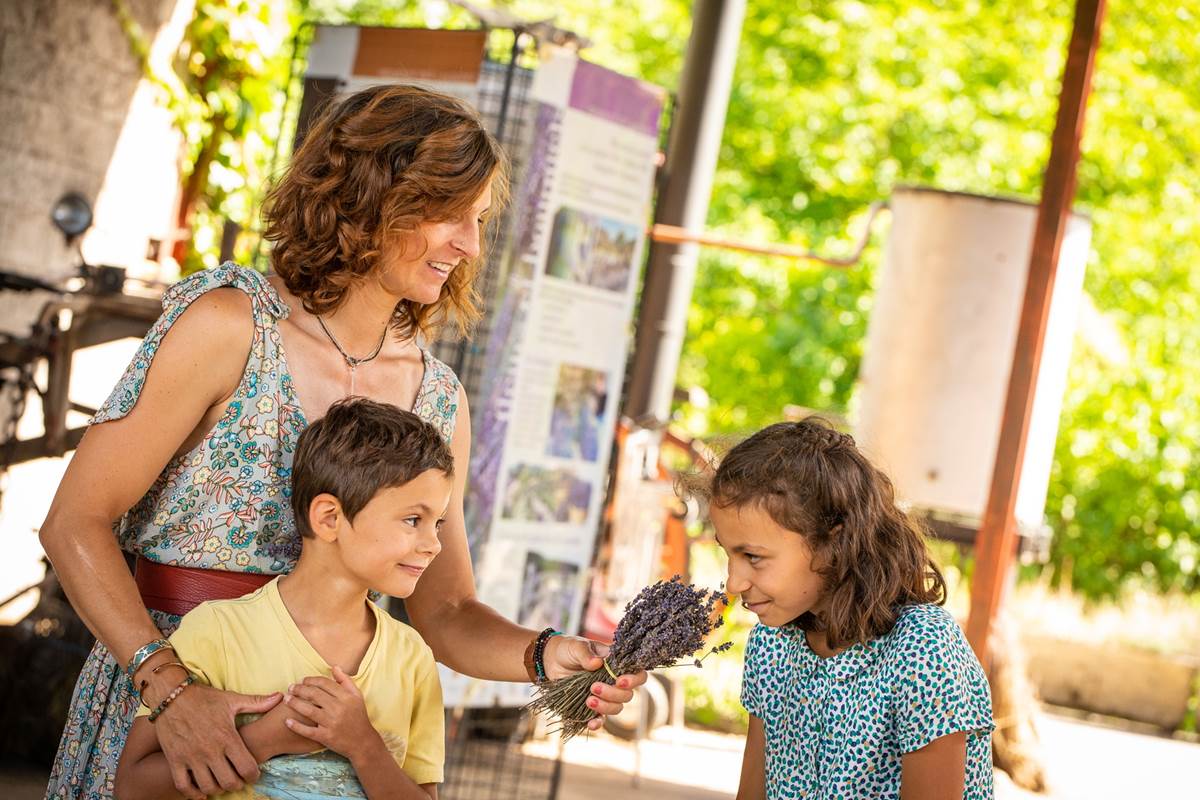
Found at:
<point>270,736</point>
<point>937,771</point>
<point>340,722</point>
<point>337,713</point>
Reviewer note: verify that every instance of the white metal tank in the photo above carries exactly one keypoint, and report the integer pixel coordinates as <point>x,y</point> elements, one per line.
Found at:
<point>940,348</point>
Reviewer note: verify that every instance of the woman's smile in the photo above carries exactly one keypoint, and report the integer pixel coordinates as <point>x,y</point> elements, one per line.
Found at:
<point>442,268</point>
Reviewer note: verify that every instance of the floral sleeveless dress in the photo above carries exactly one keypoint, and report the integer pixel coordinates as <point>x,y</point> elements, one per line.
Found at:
<point>224,505</point>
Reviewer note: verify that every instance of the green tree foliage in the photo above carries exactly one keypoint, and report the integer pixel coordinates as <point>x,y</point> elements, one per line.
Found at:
<point>836,102</point>
<point>224,87</point>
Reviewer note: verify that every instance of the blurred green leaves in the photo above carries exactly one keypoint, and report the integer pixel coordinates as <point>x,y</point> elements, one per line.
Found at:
<point>224,87</point>
<point>837,102</point>
<point>834,103</point>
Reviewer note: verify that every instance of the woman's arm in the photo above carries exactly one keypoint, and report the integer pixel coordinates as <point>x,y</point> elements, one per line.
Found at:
<point>937,771</point>
<point>753,783</point>
<point>197,366</point>
<point>469,636</point>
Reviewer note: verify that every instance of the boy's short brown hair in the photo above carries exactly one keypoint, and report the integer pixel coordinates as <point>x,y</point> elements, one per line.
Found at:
<point>359,447</point>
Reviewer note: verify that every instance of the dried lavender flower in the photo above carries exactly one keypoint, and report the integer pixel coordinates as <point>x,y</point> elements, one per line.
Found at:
<point>666,622</point>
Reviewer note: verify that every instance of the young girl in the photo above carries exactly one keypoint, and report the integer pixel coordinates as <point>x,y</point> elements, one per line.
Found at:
<point>858,683</point>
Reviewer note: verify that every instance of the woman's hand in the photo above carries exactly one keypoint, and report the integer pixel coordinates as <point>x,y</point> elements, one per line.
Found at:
<point>338,713</point>
<point>203,748</point>
<point>568,654</point>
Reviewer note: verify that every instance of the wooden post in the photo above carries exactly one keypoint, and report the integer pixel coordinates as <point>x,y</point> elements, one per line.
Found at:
<point>998,534</point>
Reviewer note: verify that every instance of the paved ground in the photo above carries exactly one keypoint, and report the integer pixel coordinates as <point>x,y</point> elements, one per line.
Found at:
<point>674,763</point>
<point>1087,762</point>
<point>19,782</point>
<point>1090,761</point>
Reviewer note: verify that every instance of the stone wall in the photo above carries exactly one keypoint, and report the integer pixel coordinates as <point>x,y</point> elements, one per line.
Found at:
<point>77,116</point>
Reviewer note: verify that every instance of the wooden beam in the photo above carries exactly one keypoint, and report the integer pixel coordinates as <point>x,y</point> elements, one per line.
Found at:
<point>998,534</point>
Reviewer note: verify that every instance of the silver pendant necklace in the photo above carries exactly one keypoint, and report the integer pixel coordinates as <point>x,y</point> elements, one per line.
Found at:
<point>351,361</point>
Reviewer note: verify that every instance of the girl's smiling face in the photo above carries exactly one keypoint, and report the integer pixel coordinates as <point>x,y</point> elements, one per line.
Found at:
<point>770,567</point>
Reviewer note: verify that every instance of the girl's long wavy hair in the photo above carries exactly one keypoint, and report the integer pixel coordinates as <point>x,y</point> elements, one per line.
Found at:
<point>371,169</point>
<point>813,480</point>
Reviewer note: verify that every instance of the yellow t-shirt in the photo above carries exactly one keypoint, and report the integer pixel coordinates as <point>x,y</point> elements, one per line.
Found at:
<point>252,645</point>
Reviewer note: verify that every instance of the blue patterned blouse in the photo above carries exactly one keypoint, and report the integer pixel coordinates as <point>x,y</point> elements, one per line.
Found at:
<point>837,727</point>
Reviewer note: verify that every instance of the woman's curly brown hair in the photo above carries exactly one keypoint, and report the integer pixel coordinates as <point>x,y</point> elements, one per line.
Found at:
<point>371,169</point>
<point>813,480</point>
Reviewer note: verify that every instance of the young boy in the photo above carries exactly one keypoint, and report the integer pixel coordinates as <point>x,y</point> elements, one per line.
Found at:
<point>370,485</point>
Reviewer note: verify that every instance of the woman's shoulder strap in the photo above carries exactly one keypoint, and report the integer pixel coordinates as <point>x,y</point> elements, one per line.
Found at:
<point>438,399</point>
<point>264,303</point>
<point>263,296</point>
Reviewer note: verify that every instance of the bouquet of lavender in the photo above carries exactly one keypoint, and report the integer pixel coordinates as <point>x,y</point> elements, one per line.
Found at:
<point>665,623</point>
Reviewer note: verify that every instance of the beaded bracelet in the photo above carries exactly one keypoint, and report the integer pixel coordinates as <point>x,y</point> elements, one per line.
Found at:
<point>140,690</point>
<point>166,701</point>
<point>144,652</point>
<point>539,652</point>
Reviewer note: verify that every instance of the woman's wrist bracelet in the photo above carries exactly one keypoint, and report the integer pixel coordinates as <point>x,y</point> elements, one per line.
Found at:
<point>143,653</point>
<point>144,683</point>
<point>528,660</point>
<point>166,701</point>
<point>539,653</point>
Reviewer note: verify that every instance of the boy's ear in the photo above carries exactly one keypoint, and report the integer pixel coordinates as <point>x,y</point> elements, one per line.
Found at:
<point>324,516</point>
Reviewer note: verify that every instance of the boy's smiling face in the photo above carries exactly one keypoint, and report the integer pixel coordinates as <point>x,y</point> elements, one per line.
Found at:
<point>770,566</point>
<point>394,537</point>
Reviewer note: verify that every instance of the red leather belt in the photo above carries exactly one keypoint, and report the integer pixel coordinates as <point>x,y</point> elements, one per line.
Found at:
<point>177,590</point>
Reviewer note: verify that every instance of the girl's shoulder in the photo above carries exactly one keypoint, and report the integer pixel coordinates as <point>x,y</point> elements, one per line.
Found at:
<point>924,632</point>
<point>936,684</point>
<point>922,619</point>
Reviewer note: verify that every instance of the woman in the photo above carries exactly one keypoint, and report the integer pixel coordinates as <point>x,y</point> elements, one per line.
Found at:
<point>377,228</point>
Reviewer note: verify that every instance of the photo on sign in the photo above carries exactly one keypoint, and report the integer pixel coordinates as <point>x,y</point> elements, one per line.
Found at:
<point>577,418</point>
<point>592,250</point>
<point>542,494</point>
<point>547,592</point>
